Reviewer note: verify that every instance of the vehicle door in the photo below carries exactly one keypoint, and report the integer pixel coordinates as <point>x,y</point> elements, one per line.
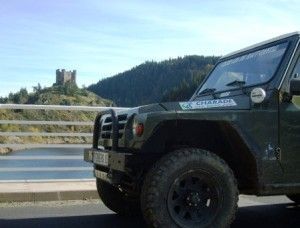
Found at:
<point>289,119</point>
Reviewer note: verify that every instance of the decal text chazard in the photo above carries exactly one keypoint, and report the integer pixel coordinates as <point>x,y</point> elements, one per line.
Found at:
<point>207,104</point>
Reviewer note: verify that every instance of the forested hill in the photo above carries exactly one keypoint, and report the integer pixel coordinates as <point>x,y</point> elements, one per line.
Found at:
<point>153,82</point>
<point>68,94</point>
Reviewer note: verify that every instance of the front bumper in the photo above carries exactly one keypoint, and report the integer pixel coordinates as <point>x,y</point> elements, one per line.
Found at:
<point>109,166</point>
<point>107,159</point>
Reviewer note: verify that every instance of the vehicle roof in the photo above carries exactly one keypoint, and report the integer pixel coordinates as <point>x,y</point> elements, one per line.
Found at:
<point>262,43</point>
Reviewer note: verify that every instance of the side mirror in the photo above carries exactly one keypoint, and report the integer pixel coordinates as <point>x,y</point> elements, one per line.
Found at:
<point>295,86</point>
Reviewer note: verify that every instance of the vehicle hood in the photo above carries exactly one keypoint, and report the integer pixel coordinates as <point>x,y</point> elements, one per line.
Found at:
<point>201,104</point>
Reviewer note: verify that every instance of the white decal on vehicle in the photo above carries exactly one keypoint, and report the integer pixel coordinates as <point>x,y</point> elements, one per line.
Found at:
<point>207,104</point>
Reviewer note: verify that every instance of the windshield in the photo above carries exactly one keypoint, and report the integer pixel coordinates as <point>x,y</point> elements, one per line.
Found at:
<point>246,70</point>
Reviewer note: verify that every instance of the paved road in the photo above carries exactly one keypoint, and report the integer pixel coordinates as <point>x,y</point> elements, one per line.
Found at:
<point>267,212</point>
<point>41,164</point>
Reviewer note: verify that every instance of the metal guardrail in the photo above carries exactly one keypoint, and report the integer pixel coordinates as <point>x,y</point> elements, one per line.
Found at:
<point>56,123</point>
<point>40,145</point>
<point>57,107</point>
<point>36,122</point>
<point>46,134</point>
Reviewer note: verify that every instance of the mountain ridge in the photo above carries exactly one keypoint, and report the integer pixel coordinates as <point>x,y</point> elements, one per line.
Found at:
<point>151,81</point>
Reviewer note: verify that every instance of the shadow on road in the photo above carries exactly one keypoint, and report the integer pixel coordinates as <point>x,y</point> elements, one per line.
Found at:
<point>92,221</point>
<point>267,216</point>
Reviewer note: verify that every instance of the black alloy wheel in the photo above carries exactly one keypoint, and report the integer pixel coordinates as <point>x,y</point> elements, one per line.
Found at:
<point>194,199</point>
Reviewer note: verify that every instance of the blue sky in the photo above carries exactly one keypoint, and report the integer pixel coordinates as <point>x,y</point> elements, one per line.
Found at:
<point>101,38</point>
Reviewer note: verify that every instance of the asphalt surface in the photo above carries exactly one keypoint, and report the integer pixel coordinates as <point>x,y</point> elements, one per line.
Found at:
<point>255,212</point>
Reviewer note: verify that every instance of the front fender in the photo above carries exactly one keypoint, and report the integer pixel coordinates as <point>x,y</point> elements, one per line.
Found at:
<point>152,122</point>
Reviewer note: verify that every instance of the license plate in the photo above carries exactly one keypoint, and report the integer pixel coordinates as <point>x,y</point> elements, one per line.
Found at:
<point>100,158</point>
<point>101,175</point>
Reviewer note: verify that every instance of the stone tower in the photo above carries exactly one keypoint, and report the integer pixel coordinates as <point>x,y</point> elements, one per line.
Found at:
<point>63,77</point>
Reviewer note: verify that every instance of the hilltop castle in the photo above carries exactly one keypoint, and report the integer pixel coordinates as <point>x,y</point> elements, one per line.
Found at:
<point>63,77</point>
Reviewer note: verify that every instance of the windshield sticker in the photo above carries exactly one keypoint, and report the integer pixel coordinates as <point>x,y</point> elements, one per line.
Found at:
<point>225,94</point>
<point>207,104</point>
<point>278,48</point>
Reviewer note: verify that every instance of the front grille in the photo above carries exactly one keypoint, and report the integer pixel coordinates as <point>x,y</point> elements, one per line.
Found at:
<point>106,126</point>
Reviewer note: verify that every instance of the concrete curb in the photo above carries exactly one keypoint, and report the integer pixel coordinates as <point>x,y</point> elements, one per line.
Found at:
<point>47,196</point>
<point>47,191</point>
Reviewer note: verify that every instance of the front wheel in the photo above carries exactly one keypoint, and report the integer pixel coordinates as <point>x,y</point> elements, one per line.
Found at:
<point>189,188</point>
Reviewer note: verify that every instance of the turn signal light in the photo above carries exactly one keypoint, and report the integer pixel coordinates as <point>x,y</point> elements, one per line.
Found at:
<point>139,129</point>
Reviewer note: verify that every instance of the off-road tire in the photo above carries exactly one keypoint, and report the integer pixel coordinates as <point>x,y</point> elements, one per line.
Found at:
<point>295,198</point>
<point>180,163</point>
<point>118,201</point>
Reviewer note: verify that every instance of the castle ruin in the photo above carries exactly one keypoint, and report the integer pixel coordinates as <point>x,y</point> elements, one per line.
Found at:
<point>63,77</point>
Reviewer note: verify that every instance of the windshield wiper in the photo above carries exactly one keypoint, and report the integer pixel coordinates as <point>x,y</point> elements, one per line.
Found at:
<point>207,90</point>
<point>236,83</point>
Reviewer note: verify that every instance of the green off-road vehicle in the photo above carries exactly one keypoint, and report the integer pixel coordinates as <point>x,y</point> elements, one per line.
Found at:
<point>184,164</point>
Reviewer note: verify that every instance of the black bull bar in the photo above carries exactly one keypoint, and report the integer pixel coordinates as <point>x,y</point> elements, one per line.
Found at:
<point>115,129</point>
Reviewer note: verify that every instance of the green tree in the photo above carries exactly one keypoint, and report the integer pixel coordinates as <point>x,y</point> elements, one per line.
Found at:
<point>37,89</point>
<point>151,81</point>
